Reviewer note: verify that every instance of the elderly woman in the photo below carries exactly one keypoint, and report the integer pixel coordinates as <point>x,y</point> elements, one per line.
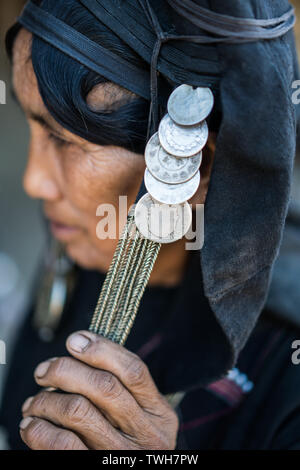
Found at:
<point>207,364</point>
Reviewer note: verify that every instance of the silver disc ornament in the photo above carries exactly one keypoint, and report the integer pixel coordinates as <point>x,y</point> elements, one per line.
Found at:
<point>182,141</point>
<point>171,193</point>
<point>162,223</point>
<point>188,106</point>
<point>166,167</point>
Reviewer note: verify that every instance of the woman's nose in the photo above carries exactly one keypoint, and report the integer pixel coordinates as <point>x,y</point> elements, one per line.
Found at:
<point>39,179</point>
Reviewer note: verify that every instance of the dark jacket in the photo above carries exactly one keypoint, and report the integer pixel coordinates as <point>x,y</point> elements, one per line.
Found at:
<point>255,406</point>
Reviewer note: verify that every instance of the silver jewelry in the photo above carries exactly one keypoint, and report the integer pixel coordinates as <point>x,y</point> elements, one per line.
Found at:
<point>189,106</point>
<point>182,141</point>
<point>171,193</point>
<point>173,157</point>
<point>162,223</point>
<point>167,168</point>
<point>162,216</point>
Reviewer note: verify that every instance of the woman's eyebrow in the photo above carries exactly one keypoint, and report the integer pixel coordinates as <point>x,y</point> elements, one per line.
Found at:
<point>38,117</point>
<point>46,125</point>
<point>32,115</point>
<point>41,120</point>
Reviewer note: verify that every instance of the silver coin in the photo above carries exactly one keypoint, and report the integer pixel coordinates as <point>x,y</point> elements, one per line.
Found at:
<point>182,141</point>
<point>162,223</point>
<point>188,106</point>
<point>171,193</point>
<point>166,167</point>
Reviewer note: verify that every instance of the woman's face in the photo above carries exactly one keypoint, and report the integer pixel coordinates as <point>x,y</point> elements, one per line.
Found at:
<point>70,175</point>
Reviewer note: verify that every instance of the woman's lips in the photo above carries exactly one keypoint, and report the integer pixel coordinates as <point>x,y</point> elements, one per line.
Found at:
<point>63,232</point>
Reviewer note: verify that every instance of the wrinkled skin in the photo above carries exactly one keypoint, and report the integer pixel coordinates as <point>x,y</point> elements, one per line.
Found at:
<point>112,402</point>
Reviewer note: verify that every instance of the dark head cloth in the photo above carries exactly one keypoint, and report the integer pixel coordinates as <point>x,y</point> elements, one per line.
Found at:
<point>251,71</point>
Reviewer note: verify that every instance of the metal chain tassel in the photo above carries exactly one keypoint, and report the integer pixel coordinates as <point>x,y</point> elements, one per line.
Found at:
<point>123,289</point>
<point>124,284</point>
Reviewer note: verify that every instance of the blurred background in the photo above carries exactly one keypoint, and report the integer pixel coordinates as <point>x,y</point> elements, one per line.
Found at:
<point>21,231</point>
<point>21,235</point>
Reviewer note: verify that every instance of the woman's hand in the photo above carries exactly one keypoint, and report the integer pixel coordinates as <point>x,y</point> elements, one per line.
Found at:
<point>112,401</point>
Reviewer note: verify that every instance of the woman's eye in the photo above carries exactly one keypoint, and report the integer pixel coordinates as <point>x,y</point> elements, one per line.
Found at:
<point>57,140</point>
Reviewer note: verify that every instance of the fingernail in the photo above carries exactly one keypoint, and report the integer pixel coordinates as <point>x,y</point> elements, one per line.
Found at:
<point>27,404</point>
<point>42,369</point>
<point>25,422</point>
<point>78,343</point>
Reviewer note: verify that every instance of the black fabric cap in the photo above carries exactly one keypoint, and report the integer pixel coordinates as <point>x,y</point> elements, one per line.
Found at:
<point>249,191</point>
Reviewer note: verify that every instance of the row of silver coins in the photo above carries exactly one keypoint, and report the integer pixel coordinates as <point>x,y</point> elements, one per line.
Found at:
<point>173,158</point>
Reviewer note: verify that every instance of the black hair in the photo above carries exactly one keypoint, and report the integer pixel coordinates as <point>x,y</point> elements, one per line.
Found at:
<point>64,83</point>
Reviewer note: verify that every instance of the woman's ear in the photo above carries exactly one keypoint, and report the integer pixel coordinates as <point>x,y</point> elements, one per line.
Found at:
<point>205,171</point>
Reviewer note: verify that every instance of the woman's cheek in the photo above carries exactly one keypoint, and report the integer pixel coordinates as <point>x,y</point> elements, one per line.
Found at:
<point>92,253</point>
<point>107,172</point>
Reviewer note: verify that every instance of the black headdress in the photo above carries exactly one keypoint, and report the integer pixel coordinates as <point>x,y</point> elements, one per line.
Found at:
<point>244,50</point>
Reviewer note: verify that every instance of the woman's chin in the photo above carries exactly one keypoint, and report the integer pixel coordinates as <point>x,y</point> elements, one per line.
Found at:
<point>88,258</point>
